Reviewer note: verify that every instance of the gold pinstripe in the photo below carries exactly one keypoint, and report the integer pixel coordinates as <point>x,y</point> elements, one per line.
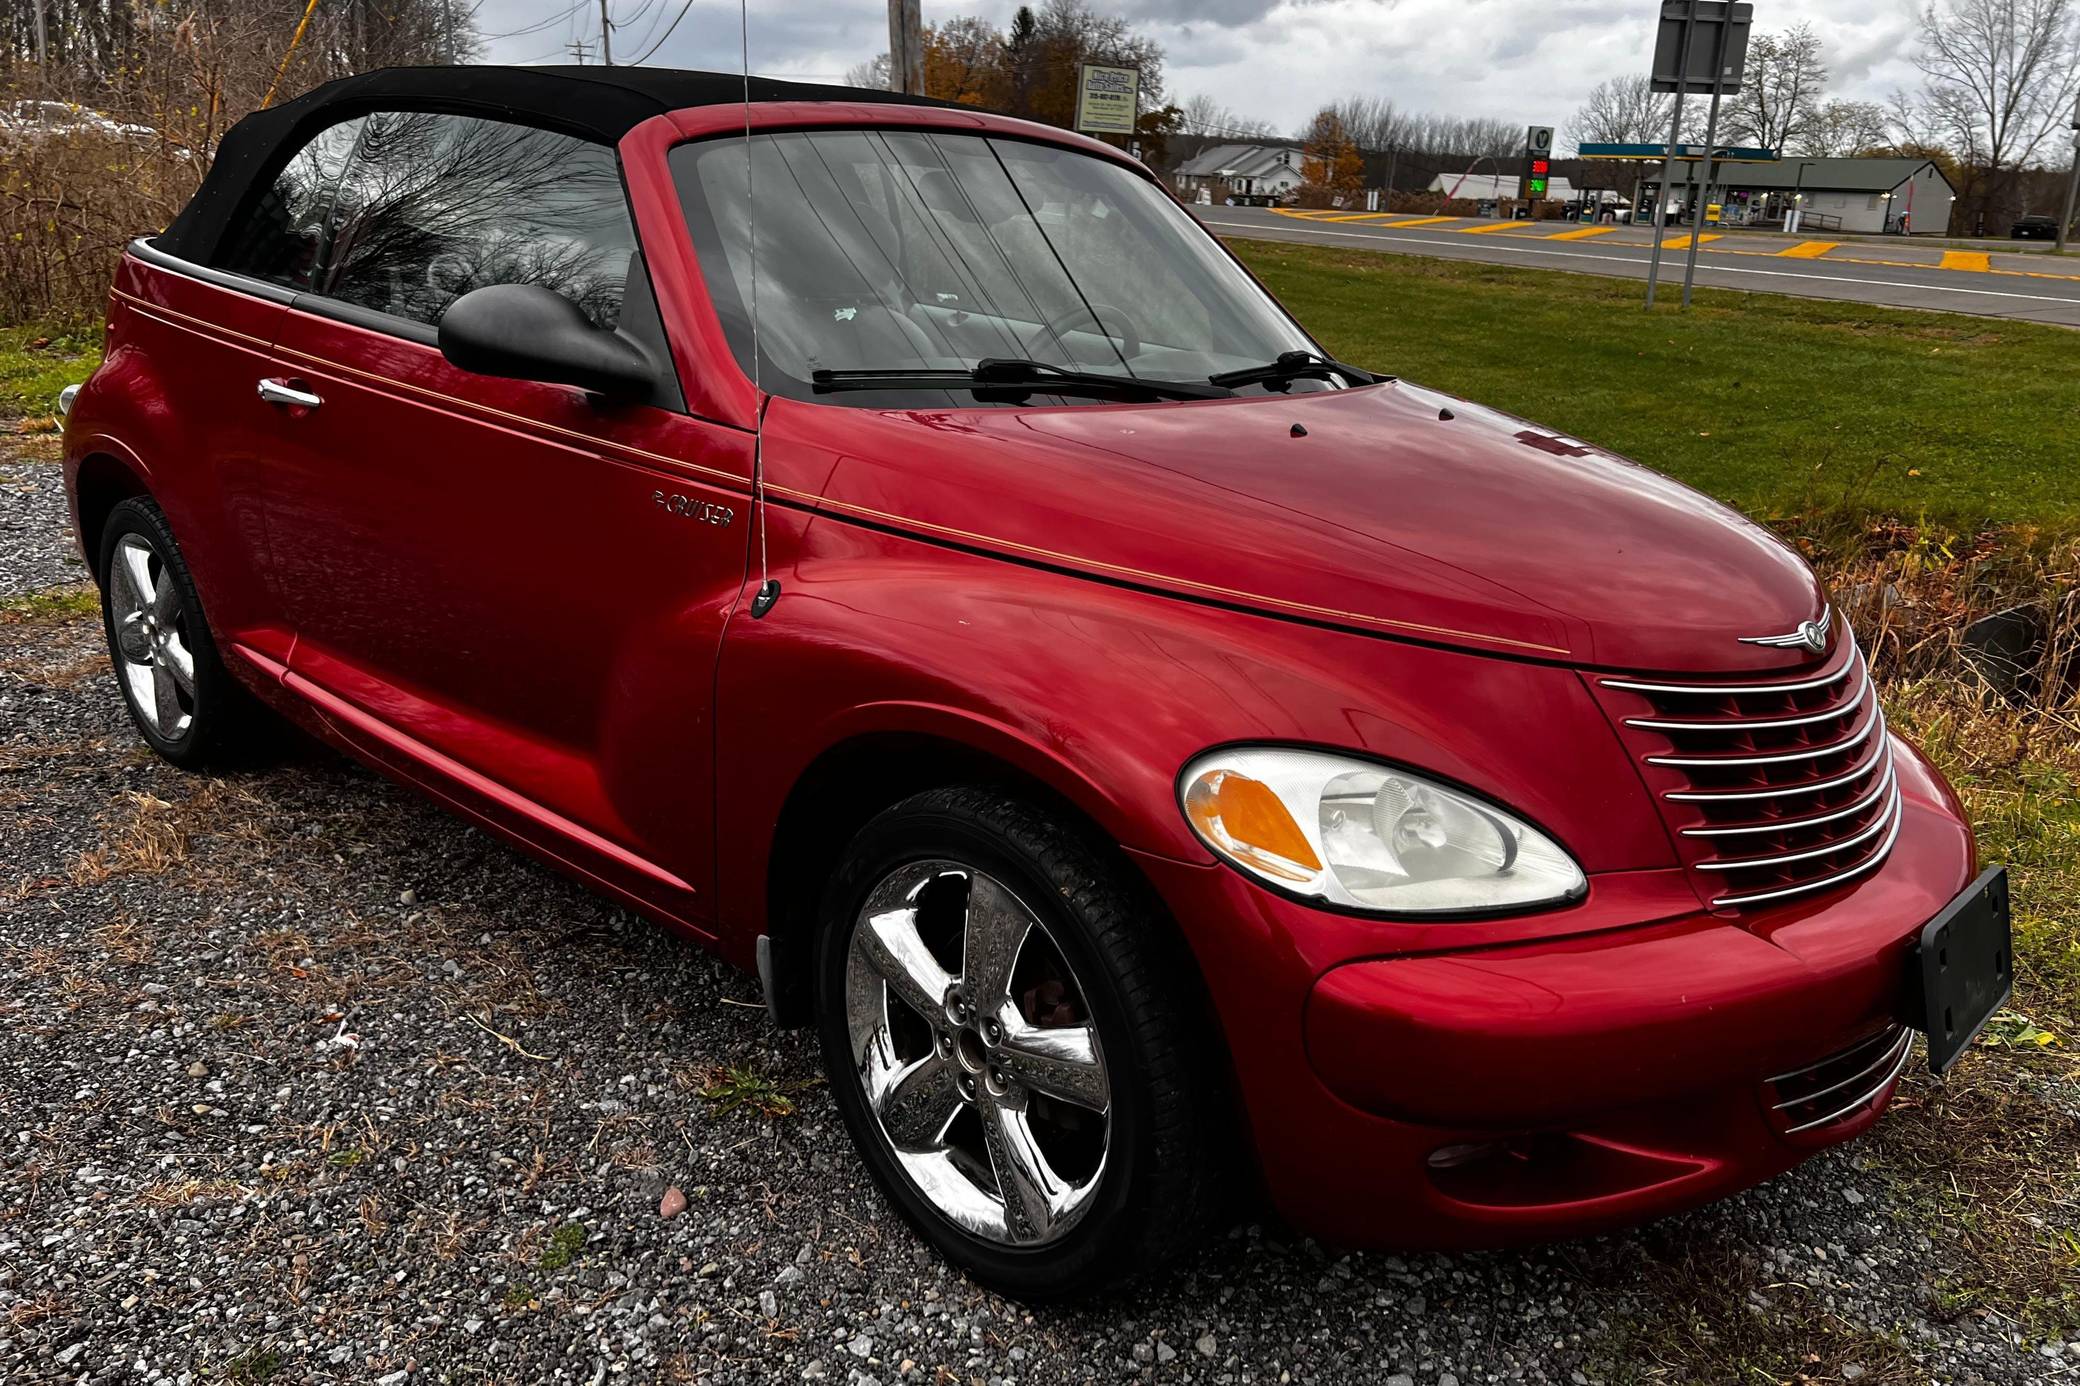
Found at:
<point>865,512</point>
<point>1158,579</point>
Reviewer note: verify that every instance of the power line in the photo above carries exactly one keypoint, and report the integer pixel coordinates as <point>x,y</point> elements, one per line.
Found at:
<point>652,49</point>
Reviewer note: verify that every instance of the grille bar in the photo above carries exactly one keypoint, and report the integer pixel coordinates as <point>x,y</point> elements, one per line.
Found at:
<point>1705,690</point>
<point>1773,788</point>
<point>1785,824</point>
<point>1869,1095</point>
<point>1863,867</point>
<point>1887,1053</point>
<point>1737,724</point>
<point>1776,758</point>
<point>1745,863</point>
<point>1728,796</point>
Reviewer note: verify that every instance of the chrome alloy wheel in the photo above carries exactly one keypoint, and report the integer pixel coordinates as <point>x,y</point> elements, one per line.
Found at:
<point>151,638</point>
<point>977,1053</point>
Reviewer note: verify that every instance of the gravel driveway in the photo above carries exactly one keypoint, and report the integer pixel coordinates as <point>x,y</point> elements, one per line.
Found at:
<point>303,1080</point>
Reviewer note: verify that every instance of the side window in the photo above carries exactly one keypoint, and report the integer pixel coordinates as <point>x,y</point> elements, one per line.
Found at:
<point>282,238</point>
<point>433,206</point>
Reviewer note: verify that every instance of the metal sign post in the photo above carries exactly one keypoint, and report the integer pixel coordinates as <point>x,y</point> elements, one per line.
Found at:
<point>1687,60</point>
<point>1704,195</point>
<point>2072,180</point>
<point>1675,136</point>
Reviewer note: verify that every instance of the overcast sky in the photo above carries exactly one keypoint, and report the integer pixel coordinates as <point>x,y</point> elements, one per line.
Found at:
<point>1525,61</point>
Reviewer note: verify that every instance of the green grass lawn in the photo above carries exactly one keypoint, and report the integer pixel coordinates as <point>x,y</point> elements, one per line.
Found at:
<point>1783,406</point>
<point>36,362</point>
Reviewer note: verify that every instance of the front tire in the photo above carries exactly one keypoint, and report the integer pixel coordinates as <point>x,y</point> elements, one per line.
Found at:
<point>1012,1040</point>
<point>183,701</point>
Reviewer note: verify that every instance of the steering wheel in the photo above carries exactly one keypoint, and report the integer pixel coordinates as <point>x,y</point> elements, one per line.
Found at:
<point>1111,323</point>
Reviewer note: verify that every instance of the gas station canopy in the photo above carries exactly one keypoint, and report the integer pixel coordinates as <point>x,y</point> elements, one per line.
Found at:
<point>1658,152</point>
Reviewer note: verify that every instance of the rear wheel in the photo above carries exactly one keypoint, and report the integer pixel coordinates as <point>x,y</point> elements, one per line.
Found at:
<point>1009,1037</point>
<point>184,702</point>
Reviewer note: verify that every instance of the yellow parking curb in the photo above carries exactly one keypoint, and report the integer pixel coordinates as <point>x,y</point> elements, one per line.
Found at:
<point>1977,261</point>
<point>1808,250</point>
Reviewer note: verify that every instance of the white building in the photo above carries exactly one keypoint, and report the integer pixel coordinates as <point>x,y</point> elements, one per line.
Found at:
<point>1258,172</point>
<point>1872,195</point>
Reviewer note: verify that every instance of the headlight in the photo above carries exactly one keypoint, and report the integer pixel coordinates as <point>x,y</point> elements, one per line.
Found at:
<point>1367,836</point>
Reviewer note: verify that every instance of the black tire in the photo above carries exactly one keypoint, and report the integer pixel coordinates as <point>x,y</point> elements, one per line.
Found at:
<point>221,718</point>
<point>1161,1174</point>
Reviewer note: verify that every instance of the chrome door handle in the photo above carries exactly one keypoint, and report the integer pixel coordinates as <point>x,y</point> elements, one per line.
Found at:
<point>282,392</point>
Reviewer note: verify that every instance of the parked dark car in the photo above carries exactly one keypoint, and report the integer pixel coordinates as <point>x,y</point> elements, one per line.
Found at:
<point>898,547</point>
<point>2034,227</point>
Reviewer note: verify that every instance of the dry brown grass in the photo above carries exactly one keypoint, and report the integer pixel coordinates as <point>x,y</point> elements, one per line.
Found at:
<point>187,1191</point>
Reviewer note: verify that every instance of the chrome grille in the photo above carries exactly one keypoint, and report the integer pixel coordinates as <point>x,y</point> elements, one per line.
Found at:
<point>1775,788</point>
<point>1841,1086</point>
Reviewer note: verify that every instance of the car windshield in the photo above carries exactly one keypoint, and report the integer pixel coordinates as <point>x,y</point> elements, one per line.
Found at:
<point>890,250</point>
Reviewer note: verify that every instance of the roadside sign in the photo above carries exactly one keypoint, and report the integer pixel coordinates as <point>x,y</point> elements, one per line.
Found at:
<point>1538,164</point>
<point>1107,99</point>
<point>1719,26</point>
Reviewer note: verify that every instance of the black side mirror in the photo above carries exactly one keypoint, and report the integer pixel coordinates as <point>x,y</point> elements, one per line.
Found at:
<point>527,332</point>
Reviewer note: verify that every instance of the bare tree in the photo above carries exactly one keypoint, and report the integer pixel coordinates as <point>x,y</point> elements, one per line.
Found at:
<point>1844,129</point>
<point>873,73</point>
<point>1780,95</point>
<point>1203,115</point>
<point>1622,110</point>
<point>2001,75</point>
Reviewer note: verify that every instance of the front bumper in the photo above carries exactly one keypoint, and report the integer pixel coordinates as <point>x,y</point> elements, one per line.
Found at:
<point>1422,1096</point>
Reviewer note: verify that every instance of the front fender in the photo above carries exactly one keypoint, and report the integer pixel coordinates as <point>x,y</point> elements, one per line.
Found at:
<point>1104,693</point>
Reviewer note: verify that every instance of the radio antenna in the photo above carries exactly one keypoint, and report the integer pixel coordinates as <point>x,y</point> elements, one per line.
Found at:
<point>768,585</point>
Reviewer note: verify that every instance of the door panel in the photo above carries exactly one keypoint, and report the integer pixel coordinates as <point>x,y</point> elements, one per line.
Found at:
<point>509,577</point>
<point>184,353</point>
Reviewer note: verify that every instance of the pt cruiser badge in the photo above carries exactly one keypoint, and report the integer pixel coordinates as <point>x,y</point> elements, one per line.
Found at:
<point>1811,634</point>
<point>707,512</point>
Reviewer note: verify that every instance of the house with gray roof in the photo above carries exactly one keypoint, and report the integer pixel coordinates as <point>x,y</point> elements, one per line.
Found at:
<point>1255,173</point>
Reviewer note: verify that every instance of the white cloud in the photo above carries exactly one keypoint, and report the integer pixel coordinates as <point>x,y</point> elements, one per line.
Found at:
<point>1510,59</point>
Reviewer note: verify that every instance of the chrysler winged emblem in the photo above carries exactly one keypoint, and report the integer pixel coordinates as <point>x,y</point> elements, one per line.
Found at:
<point>1811,634</point>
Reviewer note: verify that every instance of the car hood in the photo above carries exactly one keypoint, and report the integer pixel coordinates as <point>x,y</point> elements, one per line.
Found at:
<point>1391,509</point>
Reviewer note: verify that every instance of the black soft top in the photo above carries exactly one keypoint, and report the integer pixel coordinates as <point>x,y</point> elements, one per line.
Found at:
<point>595,103</point>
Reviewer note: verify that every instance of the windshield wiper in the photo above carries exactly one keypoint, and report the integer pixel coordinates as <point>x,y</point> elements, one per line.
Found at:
<point>1294,365</point>
<point>998,375</point>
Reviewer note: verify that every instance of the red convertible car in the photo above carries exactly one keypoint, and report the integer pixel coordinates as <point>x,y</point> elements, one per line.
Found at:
<point>897,547</point>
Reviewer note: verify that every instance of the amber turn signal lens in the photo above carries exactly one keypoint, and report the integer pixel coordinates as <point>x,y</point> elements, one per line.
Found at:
<point>1245,818</point>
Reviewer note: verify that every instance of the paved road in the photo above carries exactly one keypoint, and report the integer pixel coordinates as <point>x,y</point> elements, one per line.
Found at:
<point>2000,284</point>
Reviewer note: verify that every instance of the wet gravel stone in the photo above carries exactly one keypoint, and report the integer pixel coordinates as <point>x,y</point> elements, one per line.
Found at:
<point>302,1080</point>
<point>36,549</point>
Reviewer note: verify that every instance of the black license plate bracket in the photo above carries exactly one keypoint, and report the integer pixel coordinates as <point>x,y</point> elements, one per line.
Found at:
<point>1965,959</point>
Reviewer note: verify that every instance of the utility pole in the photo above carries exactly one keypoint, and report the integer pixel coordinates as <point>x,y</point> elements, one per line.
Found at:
<point>2072,180</point>
<point>906,47</point>
<point>606,35</point>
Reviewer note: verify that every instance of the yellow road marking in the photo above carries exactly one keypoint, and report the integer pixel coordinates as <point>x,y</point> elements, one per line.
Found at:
<point>1977,261</point>
<point>1683,242</point>
<point>1359,216</point>
<point>1489,229</point>
<point>1426,221</point>
<point>1808,250</point>
<point>1582,235</point>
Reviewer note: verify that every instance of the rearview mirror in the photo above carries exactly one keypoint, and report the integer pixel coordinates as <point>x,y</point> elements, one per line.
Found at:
<point>527,332</point>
